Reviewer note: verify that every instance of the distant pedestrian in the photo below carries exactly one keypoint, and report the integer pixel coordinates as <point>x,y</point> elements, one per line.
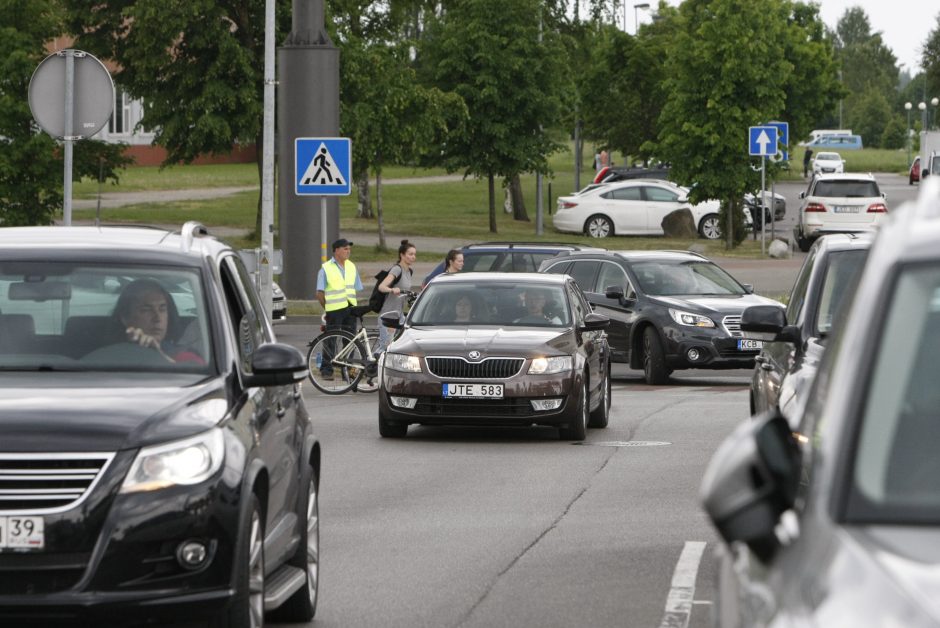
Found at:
<point>453,262</point>
<point>605,159</point>
<point>397,282</point>
<point>807,157</point>
<point>337,284</point>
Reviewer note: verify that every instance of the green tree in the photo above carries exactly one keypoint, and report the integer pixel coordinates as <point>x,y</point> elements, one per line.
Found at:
<point>870,115</point>
<point>726,74</point>
<point>513,77</point>
<point>31,164</point>
<point>389,117</point>
<point>198,66</point>
<point>931,60</point>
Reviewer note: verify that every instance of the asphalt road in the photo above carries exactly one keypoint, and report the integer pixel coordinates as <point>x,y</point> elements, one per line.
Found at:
<point>482,527</point>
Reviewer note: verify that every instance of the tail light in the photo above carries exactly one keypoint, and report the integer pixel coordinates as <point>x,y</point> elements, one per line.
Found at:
<point>566,204</point>
<point>815,207</point>
<point>877,208</point>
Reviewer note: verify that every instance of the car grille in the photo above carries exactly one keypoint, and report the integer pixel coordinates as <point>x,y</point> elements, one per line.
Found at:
<point>37,483</point>
<point>489,368</point>
<point>507,407</point>
<point>732,325</point>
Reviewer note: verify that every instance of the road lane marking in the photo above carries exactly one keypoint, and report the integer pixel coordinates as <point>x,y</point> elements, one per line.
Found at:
<point>680,598</point>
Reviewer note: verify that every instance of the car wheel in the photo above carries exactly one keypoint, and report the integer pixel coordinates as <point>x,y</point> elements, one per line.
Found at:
<point>302,605</point>
<point>601,415</point>
<point>803,243</point>
<point>710,227</point>
<point>577,429</point>
<point>598,226</point>
<point>654,360</point>
<point>247,607</point>
<point>387,429</point>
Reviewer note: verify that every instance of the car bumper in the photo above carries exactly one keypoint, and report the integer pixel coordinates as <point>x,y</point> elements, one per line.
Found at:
<point>115,555</point>
<point>514,409</point>
<point>814,228</point>
<point>692,348</point>
<point>279,311</point>
<point>564,221</point>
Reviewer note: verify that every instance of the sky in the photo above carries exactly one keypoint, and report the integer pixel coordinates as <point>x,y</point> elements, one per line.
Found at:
<point>904,24</point>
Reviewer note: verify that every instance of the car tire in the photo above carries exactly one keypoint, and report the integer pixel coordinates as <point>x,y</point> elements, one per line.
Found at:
<point>387,429</point>
<point>247,607</point>
<point>601,415</point>
<point>598,226</point>
<point>710,227</point>
<point>577,429</point>
<point>302,605</point>
<point>654,359</point>
<point>803,243</point>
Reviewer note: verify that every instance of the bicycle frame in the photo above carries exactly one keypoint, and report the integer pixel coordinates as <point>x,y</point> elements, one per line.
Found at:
<point>362,335</point>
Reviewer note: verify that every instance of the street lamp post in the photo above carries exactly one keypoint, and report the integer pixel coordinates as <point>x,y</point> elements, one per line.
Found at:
<point>636,15</point>
<point>923,115</point>
<point>935,101</point>
<point>908,106</point>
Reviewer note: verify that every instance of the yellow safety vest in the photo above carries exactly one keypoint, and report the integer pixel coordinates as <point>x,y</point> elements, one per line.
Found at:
<point>339,291</point>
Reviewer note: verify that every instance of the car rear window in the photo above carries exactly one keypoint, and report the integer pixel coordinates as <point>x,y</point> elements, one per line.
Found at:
<point>846,189</point>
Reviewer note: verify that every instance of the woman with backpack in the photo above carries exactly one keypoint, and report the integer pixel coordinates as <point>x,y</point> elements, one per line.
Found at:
<point>395,283</point>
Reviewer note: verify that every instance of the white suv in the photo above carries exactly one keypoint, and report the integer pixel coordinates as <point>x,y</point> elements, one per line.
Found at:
<point>839,203</point>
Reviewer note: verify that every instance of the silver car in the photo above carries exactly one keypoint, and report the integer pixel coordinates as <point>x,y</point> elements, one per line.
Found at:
<point>837,523</point>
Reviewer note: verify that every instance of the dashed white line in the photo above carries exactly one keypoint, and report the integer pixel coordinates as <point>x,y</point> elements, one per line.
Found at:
<point>680,599</point>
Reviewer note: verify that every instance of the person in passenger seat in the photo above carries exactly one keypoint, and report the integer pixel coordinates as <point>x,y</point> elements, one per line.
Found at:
<point>146,312</point>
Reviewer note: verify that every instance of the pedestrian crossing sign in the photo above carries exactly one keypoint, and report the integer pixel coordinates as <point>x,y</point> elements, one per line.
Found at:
<point>322,166</point>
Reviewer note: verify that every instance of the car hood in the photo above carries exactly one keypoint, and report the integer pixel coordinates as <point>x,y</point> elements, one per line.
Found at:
<point>713,304</point>
<point>95,415</point>
<point>488,340</point>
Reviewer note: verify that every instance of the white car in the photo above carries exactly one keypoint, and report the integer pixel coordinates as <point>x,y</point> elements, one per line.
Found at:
<point>633,207</point>
<point>828,163</point>
<point>839,203</point>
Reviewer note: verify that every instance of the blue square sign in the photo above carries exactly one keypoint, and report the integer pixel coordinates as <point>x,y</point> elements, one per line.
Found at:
<point>322,166</point>
<point>762,140</point>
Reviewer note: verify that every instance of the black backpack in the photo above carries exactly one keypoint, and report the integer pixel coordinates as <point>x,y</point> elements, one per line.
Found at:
<point>377,299</point>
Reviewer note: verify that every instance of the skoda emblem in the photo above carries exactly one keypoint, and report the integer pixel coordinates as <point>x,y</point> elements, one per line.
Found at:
<point>474,355</point>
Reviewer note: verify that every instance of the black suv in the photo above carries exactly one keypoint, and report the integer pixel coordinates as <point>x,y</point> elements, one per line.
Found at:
<point>509,257</point>
<point>668,309</point>
<point>793,341</point>
<point>157,460</point>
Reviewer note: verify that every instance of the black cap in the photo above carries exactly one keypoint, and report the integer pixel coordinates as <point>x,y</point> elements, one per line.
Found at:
<point>338,244</point>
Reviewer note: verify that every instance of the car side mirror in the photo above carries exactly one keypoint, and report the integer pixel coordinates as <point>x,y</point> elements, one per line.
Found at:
<point>749,288</point>
<point>276,364</point>
<point>594,322</point>
<point>614,292</point>
<point>391,319</point>
<point>751,481</point>
<point>682,199</point>
<point>802,194</point>
<point>763,322</point>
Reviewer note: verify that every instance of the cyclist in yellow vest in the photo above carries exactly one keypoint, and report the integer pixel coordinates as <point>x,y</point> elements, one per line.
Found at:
<point>337,284</point>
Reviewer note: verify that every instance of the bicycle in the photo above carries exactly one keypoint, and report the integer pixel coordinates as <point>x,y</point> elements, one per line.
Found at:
<point>347,357</point>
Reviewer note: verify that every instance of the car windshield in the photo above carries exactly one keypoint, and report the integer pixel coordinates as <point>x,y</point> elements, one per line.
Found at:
<point>841,276</point>
<point>896,467</point>
<point>507,304</point>
<point>828,157</point>
<point>683,277</point>
<point>76,317</point>
<point>846,189</point>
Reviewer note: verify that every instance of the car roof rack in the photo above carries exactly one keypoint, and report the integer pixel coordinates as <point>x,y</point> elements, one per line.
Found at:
<point>515,244</point>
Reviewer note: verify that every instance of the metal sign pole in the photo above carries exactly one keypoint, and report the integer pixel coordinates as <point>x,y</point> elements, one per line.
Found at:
<point>763,199</point>
<point>323,257</point>
<point>773,210</point>
<point>67,137</point>
<point>267,165</point>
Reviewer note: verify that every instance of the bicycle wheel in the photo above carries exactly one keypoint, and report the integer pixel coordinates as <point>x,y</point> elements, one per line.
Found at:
<point>336,362</point>
<point>370,381</point>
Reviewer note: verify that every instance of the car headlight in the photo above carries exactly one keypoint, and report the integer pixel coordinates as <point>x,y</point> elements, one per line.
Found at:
<point>188,461</point>
<point>547,366</point>
<point>402,362</point>
<point>690,319</point>
<point>276,291</point>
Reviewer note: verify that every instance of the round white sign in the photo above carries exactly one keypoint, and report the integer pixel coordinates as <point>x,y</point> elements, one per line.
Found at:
<point>92,94</point>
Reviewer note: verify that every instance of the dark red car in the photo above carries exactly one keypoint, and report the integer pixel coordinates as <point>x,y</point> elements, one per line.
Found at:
<point>914,173</point>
